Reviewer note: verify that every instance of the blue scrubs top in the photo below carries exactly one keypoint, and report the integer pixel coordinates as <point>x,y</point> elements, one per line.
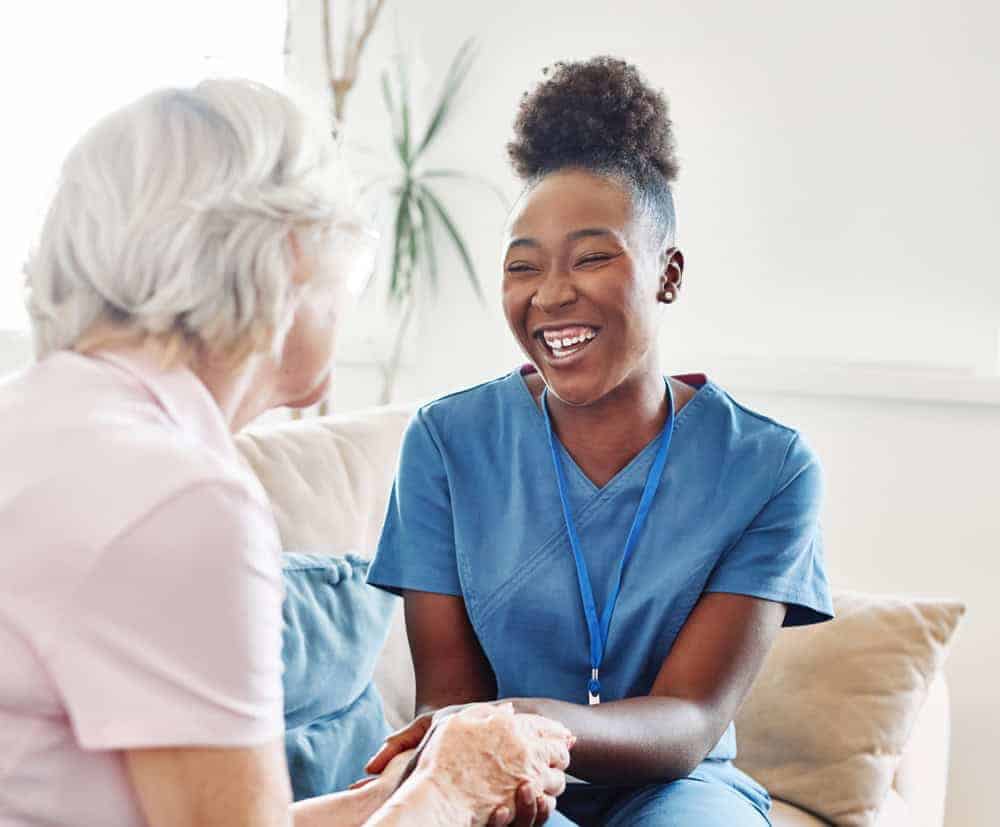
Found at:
<point>475,512</point>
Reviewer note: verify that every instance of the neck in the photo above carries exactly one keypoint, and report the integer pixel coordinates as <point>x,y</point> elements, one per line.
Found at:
<point>242,394</point>
<point>604,436</point>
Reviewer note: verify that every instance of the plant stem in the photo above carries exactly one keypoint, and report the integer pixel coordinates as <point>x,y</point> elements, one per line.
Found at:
<point>390,369</point>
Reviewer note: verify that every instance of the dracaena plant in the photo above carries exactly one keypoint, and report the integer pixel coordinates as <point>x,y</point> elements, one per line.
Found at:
<point>420,215</point>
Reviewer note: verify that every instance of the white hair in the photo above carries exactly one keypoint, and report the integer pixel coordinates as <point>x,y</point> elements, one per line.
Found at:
<point>172,217</point>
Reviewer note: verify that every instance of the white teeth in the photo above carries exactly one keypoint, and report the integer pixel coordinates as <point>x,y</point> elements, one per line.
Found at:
<point>568,341</point>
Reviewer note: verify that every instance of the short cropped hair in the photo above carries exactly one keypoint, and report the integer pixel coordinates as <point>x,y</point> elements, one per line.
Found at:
<point>172,218</point>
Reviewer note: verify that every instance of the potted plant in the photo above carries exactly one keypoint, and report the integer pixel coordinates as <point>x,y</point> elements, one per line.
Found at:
<point>419,212</point>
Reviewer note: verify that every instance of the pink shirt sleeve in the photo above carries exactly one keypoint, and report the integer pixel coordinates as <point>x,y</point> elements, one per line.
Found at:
<point>174,638</point>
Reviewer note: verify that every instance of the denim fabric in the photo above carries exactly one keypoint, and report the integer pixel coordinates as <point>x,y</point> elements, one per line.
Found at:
<point>334,629</point>
<point>716,794</point>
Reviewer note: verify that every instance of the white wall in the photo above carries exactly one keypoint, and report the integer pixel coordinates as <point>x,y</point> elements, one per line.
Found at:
<point>838,205</point>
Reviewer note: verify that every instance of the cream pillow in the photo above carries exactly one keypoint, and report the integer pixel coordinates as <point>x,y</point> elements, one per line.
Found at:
<point>827,720</point>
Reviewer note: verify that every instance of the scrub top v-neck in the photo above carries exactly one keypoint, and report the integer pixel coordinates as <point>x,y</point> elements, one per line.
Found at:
<point>475,512</point>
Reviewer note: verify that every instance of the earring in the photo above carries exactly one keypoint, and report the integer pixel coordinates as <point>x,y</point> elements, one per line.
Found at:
<point>667,295</point>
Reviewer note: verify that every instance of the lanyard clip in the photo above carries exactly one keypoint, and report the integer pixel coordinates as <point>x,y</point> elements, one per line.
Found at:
<point>594,687</point>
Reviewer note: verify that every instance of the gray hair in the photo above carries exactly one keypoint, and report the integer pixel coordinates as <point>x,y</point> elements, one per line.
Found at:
<point>172,218</point>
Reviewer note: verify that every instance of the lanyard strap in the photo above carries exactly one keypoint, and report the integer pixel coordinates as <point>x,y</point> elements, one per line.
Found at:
<point>598,629</point>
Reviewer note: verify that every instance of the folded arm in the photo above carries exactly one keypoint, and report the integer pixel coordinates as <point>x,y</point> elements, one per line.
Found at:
<point>663,735</point>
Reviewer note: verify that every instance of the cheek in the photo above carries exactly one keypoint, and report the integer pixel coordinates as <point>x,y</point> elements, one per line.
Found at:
<point>310,341</point>
<point>516,300</point>
<point>638,311</point>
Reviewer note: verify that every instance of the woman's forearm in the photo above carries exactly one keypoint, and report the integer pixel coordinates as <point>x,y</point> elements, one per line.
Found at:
<point>418,803</point>
<point>352,808</point>
<point>639,739</point>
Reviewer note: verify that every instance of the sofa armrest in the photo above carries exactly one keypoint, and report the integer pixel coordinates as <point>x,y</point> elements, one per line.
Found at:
<point>922,777</point>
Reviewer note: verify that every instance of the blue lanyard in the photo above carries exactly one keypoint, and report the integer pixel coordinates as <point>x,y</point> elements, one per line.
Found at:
<point>598,629</point>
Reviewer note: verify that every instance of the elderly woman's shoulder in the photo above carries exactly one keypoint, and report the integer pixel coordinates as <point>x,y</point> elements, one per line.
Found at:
<point>83,444</point>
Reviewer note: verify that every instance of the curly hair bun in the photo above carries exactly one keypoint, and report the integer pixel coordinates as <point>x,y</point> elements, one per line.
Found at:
<point>597,113</point>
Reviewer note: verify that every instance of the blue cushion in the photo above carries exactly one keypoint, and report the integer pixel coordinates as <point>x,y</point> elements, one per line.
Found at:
<point>335,625</point>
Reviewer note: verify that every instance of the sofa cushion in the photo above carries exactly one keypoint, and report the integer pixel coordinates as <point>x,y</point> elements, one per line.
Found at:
<point>828,718</point>
<point>334,628</point>
<point>328,479</point>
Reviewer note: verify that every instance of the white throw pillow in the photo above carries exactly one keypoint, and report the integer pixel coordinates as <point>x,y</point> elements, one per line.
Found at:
<point>830,715</point>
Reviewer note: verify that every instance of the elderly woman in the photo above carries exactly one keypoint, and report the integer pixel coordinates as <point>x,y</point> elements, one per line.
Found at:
<point>189,276</point>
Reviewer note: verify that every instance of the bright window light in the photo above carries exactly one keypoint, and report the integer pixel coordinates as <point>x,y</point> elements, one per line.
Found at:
<point>73,62</point>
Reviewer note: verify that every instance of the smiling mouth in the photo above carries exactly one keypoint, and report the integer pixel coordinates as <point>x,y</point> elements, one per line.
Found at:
<point>564,342</point>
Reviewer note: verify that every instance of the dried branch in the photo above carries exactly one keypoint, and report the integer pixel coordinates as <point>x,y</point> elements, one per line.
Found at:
<point>342,83</point>
<point>331,70</point>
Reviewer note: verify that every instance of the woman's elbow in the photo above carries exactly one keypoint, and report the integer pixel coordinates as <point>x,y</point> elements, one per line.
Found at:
<point>706,731</point>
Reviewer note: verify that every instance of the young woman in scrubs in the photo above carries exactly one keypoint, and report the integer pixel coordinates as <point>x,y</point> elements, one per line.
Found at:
<point>598,542</point>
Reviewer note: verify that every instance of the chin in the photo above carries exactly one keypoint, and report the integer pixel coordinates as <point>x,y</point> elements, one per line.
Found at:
<point>578,391</point>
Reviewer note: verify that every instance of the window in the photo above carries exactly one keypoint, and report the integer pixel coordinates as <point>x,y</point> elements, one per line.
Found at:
<point>73,62</point>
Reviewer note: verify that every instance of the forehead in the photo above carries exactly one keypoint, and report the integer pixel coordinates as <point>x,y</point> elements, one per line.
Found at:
<point>568,200</point>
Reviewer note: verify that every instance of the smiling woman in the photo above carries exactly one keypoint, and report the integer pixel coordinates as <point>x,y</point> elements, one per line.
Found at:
<point>638,539</point>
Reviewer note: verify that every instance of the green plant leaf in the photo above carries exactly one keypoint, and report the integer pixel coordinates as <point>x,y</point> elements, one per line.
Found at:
<point>397,288</point>
<point>458,71</point>
<point>471,177</point>
<point>403,76</point>
<point>390,105</point>
<point>428,238</point>
<point>413,238</point>
<point>456,239</point>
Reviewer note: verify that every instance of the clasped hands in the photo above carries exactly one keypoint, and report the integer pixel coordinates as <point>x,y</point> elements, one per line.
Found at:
<point>499,767</point>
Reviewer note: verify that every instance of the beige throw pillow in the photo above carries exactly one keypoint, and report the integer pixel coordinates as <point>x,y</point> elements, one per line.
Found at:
<point>827,720</point>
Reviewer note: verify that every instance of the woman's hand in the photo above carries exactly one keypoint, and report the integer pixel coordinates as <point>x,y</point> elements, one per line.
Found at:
<point>531,809</point>
<point>495,763</point>
<point>410,736</point>
<point>402,740</point>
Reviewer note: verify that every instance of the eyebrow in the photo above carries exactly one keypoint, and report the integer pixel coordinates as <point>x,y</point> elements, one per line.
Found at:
<point>576,235</point>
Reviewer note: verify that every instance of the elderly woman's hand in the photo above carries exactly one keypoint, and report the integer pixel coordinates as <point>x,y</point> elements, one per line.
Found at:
<point>486,756</point>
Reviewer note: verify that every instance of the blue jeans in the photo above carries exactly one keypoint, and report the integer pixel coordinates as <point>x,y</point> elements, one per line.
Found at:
<point>716,794</point>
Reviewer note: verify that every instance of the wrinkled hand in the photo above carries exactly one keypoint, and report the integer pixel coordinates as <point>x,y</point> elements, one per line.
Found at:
<point>411,736</point>
<point>496,763</point>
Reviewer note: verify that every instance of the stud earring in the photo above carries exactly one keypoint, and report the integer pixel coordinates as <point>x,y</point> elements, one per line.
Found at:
<point>667,295</point>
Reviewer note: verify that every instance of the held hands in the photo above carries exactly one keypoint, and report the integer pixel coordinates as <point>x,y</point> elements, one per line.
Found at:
<point>500,767</point>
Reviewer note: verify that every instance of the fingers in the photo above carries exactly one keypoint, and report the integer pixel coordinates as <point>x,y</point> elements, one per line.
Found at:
<point>501,817</point>
<point>553,782</point>
<point>548,728</point>
<point>527,806</point>
<point>361,782</point>
<point>405,739</point>
<point>546,807</point>
<point>558,754</point>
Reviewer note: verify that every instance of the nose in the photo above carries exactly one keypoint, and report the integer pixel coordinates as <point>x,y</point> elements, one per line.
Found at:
<point>555,291</point>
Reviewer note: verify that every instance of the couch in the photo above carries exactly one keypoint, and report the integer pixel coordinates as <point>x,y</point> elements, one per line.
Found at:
<point>329,480</point>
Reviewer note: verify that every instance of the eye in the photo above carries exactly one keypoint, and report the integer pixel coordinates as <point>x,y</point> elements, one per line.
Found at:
<point>595,258</point>
<point>519,267</point>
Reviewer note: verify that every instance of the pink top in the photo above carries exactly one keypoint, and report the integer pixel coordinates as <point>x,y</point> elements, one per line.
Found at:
<point>140,585</point>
